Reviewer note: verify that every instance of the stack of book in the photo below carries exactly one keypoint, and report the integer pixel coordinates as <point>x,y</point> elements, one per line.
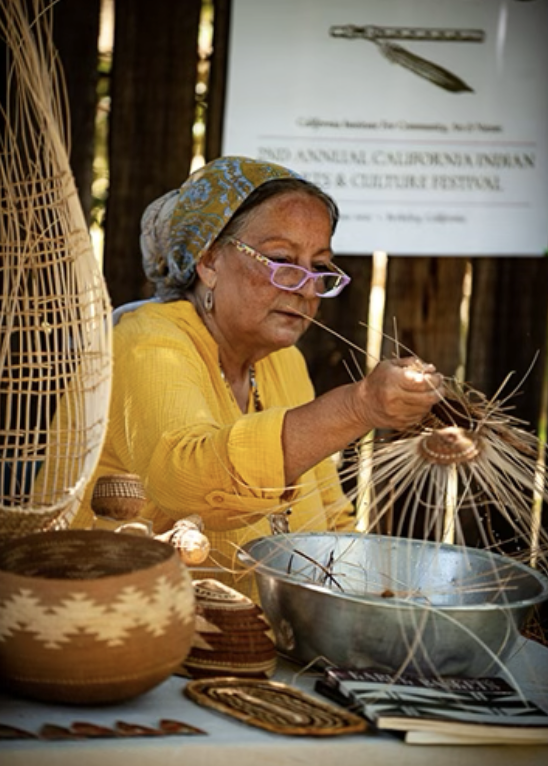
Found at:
<point>425,710</point>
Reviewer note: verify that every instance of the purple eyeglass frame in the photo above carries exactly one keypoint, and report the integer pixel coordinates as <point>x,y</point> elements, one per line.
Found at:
<point>344,279</point>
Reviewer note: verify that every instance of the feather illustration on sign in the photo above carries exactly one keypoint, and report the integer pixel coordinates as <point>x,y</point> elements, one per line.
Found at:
<point>397,54</point>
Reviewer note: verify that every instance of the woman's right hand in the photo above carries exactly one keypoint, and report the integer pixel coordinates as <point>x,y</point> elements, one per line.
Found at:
<point>398,393</point>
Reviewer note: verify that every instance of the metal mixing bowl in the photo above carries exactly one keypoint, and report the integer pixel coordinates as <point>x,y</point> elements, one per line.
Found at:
<point>369,600</point>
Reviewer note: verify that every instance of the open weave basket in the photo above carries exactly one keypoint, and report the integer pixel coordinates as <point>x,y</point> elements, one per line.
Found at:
<point>55,326</point>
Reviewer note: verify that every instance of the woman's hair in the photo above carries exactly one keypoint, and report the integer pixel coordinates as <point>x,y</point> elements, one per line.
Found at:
<point>269,190</point>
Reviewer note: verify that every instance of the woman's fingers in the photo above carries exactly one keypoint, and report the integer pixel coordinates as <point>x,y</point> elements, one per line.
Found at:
<point>413,380</point>
<point>399,393</point>
<point>418,374</point>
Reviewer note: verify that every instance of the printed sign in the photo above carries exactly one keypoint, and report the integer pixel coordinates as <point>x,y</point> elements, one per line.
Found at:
<point>426,120</point>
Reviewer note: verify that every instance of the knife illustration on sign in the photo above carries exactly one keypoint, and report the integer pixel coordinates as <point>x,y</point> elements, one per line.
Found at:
<point>397,54</point>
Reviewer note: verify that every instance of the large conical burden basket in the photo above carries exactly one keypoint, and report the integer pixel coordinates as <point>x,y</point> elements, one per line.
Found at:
<point>55,327</point>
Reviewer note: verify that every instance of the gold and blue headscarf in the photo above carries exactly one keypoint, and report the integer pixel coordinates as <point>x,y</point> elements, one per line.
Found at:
<point>178,228</point>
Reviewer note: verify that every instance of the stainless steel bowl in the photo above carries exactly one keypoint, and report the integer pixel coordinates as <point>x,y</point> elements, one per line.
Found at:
<point>392,603</point>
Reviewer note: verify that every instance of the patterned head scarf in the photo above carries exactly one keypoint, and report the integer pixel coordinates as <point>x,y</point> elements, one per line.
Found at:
<point>178,228</point>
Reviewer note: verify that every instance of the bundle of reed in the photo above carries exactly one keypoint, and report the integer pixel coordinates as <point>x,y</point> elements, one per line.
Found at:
<point>55,326</point>
<point>469,473</point>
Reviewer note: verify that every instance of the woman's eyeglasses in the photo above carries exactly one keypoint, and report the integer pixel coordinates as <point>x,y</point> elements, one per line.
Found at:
<point>288,276</point>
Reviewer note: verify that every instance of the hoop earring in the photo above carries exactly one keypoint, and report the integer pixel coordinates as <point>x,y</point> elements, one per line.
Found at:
<point>208,301</point>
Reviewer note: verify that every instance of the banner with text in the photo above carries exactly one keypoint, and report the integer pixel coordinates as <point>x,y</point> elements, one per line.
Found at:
<point>426,120</point>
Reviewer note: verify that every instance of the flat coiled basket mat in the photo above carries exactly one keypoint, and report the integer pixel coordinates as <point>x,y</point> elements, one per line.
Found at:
<point>55,326</point>
<point>274,706</point>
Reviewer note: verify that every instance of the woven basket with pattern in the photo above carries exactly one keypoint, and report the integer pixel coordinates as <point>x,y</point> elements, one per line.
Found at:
<point>91,616</point>
<point>232,637</point>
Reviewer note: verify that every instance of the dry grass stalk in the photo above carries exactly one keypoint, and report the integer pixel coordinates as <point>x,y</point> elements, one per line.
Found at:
<point>472,452</point>
<point>467,474</point>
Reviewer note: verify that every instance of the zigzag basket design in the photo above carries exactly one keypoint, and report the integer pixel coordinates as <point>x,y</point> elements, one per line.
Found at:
<point>92,616</point>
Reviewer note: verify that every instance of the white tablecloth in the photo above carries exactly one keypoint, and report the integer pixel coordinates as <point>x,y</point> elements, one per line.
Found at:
<point>231,743</point>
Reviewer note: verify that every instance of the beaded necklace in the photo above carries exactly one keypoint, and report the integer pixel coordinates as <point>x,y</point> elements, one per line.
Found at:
<point>257,403</point>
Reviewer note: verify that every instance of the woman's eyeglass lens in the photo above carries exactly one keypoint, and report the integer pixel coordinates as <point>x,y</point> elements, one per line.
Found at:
<point>327,284</point>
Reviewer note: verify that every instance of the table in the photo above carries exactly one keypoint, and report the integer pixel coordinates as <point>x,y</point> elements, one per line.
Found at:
<point>231,742</point>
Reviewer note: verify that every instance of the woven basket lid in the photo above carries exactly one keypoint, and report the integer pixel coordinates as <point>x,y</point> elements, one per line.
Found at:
<point>232,636</point>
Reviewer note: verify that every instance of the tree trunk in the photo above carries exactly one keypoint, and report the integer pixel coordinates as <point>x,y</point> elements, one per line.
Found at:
<point>508,324</point>
<point>508,334</point>
<point>423,300</point>
<point>76,32</point>
<point>153,107</point>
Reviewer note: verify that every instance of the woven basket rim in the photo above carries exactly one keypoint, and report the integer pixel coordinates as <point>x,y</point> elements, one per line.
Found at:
<point>37,540</point>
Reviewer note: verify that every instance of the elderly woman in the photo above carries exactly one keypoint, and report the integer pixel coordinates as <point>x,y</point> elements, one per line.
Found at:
<point>212,405</point>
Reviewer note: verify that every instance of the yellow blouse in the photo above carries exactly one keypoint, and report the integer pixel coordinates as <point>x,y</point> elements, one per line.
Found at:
<point>174,422</point>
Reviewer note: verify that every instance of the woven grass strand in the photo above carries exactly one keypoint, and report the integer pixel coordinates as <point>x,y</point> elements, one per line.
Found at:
<point>473,448</point>
<point>55,326</point>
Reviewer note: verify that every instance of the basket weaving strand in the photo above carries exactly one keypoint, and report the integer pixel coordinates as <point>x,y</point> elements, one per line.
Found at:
<point>55,326</point>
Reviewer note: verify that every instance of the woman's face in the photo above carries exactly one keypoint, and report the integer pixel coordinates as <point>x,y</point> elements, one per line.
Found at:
<point>253,316</point>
